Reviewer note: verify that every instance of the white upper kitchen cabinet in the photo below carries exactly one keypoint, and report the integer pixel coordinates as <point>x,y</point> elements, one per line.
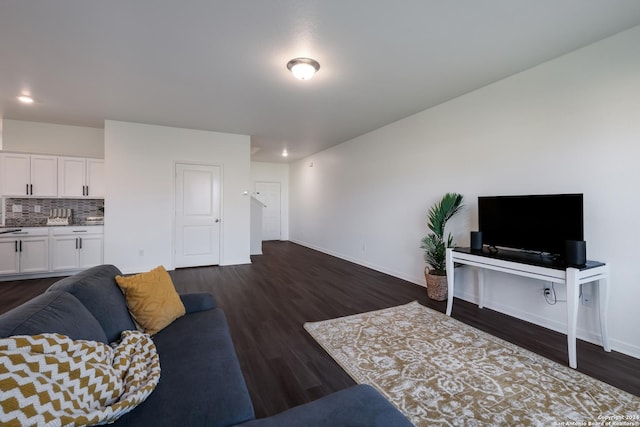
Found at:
<point>80,177</point>
<point>29,175</point>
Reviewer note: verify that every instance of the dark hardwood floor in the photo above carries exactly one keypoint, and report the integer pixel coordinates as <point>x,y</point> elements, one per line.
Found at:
<point>267,302</point>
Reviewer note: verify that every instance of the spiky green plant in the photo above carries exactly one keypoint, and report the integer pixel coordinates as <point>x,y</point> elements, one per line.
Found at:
<point>434,244</point>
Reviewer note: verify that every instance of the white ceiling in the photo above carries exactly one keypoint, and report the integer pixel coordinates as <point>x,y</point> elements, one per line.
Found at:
<point>221,65</point>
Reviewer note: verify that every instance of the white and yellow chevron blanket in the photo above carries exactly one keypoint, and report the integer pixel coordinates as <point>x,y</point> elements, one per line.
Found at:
<point>51,380</point>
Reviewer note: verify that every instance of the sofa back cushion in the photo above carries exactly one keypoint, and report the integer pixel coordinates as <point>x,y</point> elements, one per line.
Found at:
<point>152,299</point>
<point>52,312</point>
<point>97,289</point>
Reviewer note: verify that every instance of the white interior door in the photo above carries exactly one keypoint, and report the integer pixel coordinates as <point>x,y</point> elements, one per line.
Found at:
<point>269,194</point>
<point>197,215</point>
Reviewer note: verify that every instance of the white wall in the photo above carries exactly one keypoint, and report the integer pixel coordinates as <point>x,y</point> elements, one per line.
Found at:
<point>569,125</point>
<point>256,226</point>
<point>275,172</point>
<point>139,202</point>
<point>46,138</point>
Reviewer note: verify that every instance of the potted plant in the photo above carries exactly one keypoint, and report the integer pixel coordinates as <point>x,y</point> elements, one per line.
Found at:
<point>435,245</point>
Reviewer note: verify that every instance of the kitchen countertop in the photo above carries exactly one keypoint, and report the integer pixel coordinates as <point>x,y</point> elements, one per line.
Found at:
<point>79,224</point>
<point>9,230</point>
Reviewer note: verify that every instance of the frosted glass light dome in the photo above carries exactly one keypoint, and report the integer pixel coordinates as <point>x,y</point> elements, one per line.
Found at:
<point>303,68</point>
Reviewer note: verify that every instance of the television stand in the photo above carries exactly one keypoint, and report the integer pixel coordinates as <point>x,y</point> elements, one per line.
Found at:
<point>547,269</point>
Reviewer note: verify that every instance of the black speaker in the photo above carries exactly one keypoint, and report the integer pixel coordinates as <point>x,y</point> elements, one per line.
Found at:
<point>476,240</point>
<point>575,253</point>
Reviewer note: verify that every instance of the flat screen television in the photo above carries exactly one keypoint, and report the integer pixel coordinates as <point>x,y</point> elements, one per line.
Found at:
<point>538,223</point>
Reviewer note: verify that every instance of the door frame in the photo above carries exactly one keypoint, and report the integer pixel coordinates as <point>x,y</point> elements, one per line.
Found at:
<point>173,207</point>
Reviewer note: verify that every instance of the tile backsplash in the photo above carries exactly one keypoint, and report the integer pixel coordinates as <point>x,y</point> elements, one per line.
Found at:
<point>82,209</point>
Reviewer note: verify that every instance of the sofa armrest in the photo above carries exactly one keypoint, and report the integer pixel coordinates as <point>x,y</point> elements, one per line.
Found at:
<point>357,406</point>
<point>198,302</point>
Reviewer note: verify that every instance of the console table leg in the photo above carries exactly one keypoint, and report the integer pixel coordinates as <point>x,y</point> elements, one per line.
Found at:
<point>450,281</point>
<point>603,297</point>
<point>573,300</point>
<point>480,273</point>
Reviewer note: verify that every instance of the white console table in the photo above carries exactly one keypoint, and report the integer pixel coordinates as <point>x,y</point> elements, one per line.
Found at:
<point>573,278</point>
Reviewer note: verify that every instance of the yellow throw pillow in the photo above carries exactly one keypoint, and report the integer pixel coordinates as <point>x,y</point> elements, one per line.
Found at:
<point>152,299</point>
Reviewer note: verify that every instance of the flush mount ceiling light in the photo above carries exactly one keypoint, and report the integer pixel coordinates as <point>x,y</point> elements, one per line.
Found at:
<point>303,68</point>
<point>285,153</point>
<point>25,99</point>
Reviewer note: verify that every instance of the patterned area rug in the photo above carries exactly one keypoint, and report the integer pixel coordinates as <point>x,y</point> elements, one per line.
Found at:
<point>439,371</point>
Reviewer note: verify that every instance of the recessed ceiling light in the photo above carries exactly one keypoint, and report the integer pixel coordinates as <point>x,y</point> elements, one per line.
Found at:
<point>25,99</point>
<point>285,153</point>
<point>303,68</point>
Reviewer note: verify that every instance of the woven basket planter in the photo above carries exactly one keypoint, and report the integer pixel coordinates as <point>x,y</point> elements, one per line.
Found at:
<point>436,286</point>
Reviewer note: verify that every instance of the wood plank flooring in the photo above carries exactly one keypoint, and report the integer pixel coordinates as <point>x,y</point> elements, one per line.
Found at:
<point>267,302</point>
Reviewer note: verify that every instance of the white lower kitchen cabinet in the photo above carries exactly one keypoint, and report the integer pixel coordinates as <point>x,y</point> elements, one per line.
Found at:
<point>9,258</point>
<point>25,251</point>
<point>91,251</point>
<point>50,251</point>
<point>76,248</point>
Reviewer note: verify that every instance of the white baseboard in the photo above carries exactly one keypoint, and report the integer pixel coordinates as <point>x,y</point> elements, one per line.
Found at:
<point>583,334</point>
<point>415,280</point>
<point>239,261</point>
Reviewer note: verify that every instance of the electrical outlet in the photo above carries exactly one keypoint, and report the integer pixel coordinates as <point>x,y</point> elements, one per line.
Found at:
<point>587,296</point>
<point>16,209</point>
<point>37,209</point>
<point>546,291</point>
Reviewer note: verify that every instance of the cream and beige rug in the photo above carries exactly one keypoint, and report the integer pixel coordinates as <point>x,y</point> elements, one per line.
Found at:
<point>439,371</point>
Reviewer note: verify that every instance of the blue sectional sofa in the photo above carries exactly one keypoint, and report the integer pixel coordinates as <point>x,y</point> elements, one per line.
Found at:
<point>201,383</point>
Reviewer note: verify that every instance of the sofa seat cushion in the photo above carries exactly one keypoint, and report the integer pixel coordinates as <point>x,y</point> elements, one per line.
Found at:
<point>52,312</point>
<point>357,406</point>
<point>97,289</point>
<point>201,382</point>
